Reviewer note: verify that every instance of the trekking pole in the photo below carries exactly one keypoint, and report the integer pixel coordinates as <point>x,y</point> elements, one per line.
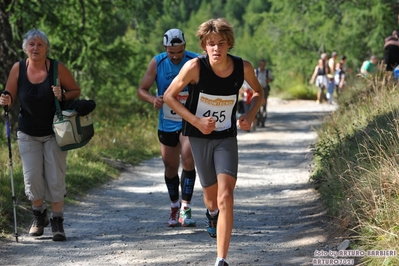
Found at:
<point>14,201</point>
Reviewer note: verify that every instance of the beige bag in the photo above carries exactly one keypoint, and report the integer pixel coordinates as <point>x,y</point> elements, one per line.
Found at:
<point>72,130</point>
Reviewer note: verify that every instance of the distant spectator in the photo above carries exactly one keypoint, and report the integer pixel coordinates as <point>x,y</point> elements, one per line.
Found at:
<point>391,56</point>
<point>332,62</point>
<point>339,76</point>
<point>320,76</point>
<point>330,76</point>
<point>369,66</point>
<point>325,59</point>
<point>343,59</point>
<point>265,77</point>
<point>393,37</point>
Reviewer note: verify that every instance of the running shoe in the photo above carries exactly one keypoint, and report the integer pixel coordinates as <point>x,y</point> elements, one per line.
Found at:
<point>222,263</point>
<point>185,218</point>
<point>211,223</point>
<point>174,217</point>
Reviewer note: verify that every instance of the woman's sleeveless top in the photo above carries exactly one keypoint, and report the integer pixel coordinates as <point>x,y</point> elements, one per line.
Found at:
<point>37,106</point>
<point>321,71</point>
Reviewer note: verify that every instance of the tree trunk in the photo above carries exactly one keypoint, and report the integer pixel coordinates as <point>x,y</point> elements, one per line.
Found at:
<point>8,56</point>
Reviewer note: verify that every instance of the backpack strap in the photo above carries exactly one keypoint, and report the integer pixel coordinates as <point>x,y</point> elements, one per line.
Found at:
<point>55,82</point>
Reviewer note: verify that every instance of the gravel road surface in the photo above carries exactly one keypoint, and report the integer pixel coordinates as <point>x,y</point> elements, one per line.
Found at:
<point>278,216</point>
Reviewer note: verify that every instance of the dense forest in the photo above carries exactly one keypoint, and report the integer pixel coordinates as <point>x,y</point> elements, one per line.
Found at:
<point>108,44</point>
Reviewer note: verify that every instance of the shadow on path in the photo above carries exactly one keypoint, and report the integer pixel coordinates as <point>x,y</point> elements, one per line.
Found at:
<point>278,218</point>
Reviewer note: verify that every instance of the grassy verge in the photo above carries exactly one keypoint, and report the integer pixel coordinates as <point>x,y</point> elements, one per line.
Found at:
<point>126,133</point>
<point>357,165</point>
<point>294,87</point>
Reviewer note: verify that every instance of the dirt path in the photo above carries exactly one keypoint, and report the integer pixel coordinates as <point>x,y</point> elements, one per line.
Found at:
<point>278,218</point>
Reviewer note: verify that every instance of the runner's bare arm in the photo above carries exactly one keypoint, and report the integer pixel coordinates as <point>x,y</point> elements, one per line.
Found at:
<point>252,80</point>
<point>188,74</point>
<point>148,79</point>
<point>245,120</point>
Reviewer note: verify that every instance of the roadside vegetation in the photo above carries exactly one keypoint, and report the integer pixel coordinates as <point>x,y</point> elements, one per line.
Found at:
<point>357,165</point>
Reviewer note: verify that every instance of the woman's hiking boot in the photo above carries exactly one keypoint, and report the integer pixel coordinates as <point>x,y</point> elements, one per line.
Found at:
<point>40,220</point>
<point>57,227</point>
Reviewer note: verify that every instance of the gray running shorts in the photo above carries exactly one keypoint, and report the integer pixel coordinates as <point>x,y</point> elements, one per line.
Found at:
<point>44,167</point>
<point>213,157</point>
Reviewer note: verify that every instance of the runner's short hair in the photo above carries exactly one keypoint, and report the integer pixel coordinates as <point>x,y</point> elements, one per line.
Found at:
<point>218,25</point>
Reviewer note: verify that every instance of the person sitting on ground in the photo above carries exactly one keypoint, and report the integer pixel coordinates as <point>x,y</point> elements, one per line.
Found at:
<point>369,66</point>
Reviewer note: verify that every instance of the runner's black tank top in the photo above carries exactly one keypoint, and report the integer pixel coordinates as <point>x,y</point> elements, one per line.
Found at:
<point>37,103</point>
<point>212,84</point>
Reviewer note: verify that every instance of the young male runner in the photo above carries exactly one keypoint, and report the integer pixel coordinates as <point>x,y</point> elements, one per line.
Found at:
<point>209,120</point>
<point>162,69</point>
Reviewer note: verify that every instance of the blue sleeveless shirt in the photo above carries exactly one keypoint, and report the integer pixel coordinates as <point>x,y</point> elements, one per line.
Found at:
<point>169,121</point>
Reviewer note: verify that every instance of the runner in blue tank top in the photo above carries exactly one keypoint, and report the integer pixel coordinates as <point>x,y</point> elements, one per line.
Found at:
<point>162,69</point>
<point>167,70</point>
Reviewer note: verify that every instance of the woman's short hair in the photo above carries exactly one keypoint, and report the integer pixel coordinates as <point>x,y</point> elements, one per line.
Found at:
<point>35,33</point>
<point>218,25</point>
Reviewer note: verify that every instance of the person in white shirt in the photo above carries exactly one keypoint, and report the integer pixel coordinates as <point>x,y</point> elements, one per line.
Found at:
<point>264,76</point>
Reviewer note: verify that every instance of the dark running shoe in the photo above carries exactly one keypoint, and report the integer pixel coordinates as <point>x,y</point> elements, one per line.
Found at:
<point>57,227</point>
<point>40,220</point>
<point>211,223</point>
<point>222,263</point>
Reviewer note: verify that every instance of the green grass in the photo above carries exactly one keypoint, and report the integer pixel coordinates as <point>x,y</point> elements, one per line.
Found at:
<point>126,133</point>
<point>357,165</point>
<point>294,88</point>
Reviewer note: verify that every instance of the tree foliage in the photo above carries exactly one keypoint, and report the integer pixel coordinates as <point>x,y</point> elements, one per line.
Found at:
<point>108,44</point>
<point>98,40</point>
